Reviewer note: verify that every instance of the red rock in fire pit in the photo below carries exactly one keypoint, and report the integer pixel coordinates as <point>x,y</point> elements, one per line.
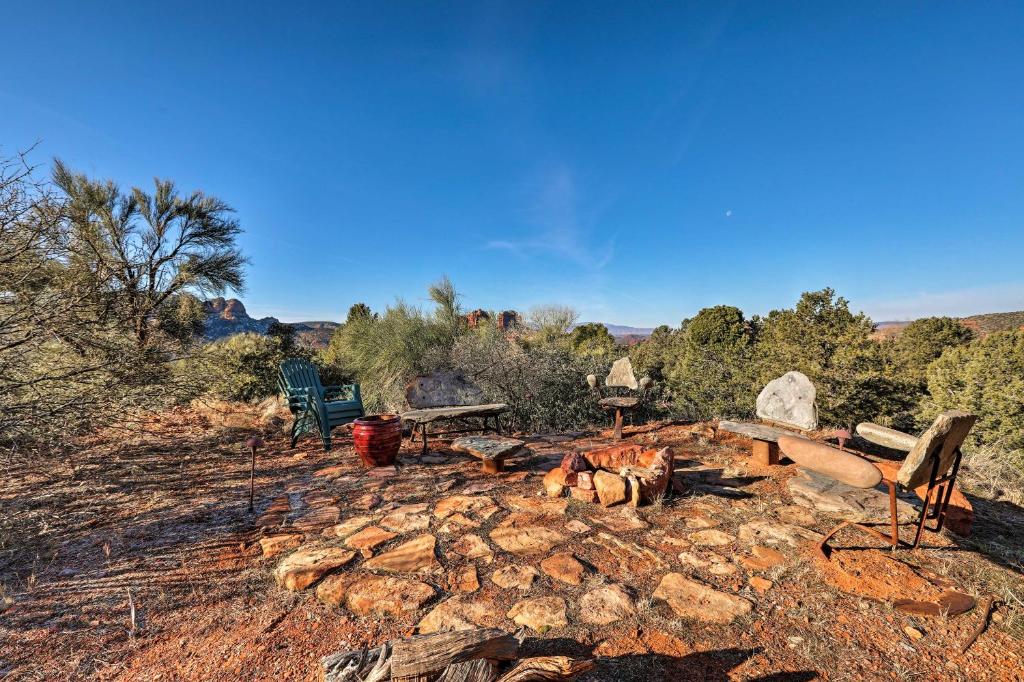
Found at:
<point>585,480</point>
<point>572,464</point>
<point>583,494</point>
<point>554,483</point>
<point>613,458</point>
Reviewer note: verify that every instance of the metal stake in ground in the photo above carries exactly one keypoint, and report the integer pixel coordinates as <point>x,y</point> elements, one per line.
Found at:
<point>252,444</point>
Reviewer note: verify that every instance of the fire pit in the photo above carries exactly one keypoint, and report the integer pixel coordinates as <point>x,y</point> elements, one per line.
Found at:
<point>621,473</point>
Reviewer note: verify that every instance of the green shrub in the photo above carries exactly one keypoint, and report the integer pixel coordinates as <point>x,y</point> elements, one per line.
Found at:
<point>544,384</point>
<point>985,377</point>
<point>384,352</point>
<point>241,367</point>
<point>712,374</point>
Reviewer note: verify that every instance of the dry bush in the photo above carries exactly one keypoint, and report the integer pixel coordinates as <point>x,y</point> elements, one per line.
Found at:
<point>993,473</point>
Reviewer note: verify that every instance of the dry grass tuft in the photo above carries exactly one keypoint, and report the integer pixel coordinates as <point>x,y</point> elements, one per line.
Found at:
<point>995,474</point>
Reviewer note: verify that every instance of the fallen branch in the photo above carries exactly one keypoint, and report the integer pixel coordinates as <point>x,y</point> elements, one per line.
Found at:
<point>373,665</point>
<point>427,656</point>
<point>546,668</point>
<point>462,656</point>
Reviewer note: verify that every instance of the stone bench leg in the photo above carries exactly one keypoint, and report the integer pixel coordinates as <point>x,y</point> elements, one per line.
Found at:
<point>765,453</point>
<point>617,433</point>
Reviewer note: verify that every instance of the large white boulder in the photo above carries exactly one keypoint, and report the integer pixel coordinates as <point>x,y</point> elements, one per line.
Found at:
<point>789,400</point>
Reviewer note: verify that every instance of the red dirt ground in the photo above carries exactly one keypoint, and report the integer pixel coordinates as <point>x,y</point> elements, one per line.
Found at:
<point>159,520</point>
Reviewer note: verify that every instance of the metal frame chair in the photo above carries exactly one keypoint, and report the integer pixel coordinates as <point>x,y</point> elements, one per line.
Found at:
<point>936,452</point>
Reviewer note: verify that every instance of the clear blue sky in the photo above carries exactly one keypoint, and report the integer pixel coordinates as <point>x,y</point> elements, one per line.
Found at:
<point>637,163</point>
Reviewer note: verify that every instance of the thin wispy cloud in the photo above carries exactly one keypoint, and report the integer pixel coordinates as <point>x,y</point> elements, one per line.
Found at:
<point>1004,297</point>
<point>561,224</point>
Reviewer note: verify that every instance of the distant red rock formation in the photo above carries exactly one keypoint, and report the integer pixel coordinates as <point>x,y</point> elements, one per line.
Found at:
<point>225,309</point>
<point>476,317</point>
<point>506,320</point>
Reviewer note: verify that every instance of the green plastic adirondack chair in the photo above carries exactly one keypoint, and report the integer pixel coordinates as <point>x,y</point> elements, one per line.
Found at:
<point>316,407</point>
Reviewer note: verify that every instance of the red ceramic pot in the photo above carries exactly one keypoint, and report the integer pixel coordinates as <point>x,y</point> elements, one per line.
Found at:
<point>378,439</point>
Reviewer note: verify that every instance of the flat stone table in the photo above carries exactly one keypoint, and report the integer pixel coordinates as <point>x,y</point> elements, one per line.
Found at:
<point>491,450</point>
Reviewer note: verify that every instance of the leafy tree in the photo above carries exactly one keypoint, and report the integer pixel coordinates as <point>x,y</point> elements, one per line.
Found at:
<point>713,374</point>
<point>96,301</point>
<point>592,339</point>
<point>986,378</point>
<point>822,338</point>
<point>285,335</point>
<point>550,323</point>
<point>657,353</point>
<point>921,343</point>
<point>148,249</point>
<point>359,311</point>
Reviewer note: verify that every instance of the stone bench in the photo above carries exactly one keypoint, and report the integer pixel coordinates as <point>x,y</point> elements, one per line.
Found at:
<point>765,450</point>
<point>447,396</point>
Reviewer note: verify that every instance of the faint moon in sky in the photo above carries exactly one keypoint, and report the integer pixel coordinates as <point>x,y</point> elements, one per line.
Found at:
<point>728,212</point>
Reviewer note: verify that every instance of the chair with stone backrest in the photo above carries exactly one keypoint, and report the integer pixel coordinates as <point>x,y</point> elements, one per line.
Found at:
<point>620,376</point>
<point>932,463</point>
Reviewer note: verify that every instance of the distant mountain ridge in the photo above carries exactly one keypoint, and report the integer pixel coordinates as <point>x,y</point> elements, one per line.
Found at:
<point>227,317</point>
<point>981,325</point>
<point>625,332</point>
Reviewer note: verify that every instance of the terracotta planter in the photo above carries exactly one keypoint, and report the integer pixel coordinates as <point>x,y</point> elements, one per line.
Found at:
<point>378,439</point>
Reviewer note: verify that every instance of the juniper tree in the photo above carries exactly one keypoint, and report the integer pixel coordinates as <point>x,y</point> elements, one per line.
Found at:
<point>146,249</point>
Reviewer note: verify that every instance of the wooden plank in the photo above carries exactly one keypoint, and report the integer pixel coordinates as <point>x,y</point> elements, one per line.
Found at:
<point>425,657</point>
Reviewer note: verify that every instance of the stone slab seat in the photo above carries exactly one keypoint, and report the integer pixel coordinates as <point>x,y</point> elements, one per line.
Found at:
<point>431,414</point>
<point>844,467</point>
<point>765,450</point>
<point>620,376</point>
<point>619,402</point>
<point>788,401</point>
<point>447,396</point>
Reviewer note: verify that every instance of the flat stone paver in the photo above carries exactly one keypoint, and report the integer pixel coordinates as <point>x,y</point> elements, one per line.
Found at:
<point>691,599</point>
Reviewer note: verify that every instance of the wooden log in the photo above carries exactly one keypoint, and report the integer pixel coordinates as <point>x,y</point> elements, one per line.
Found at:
<point>480,670</point>
<point>366,665</point>
<point>425,657</point>
<point>544,668</point>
